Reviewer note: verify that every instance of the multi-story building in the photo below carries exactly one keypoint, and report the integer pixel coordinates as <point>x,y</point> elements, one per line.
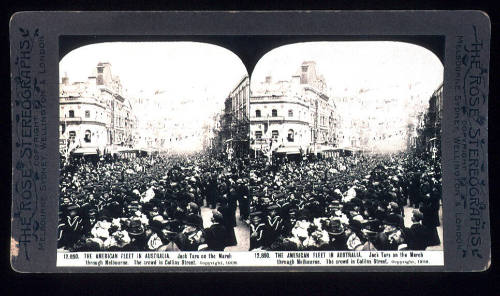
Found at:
<point>292,116</point>
<point>429,135</point>
<point>236,119</point>
<point>94,115</point>
<point>379,119</point>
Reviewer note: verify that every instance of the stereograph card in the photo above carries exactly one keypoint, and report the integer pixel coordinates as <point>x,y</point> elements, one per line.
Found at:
<point>250,141</point>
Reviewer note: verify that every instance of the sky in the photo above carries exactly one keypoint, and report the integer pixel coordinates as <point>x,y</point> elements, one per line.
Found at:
<point>177,67</point>
<point>384,67</point>
<point>187,70</point>
<point>354,64</point>
<point>199,73</point>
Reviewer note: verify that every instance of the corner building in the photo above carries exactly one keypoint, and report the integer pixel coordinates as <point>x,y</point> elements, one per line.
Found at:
<point>294,115</point>
<point>94,115</point>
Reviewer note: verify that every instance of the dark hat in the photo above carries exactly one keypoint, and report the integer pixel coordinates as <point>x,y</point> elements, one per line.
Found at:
<point>373,225</point>
<point>217,216</point>
<point>279,195</point>
<point>193,220</point>
<point>394,205</point>
<point>392,219</point>
<point>194,206</point>
<point>91,245</point>
<point>336,227</point>
<point>256,215</point>
<point>272,207</point>
<point>355,225</point>
<point>135,228</point>
<point>417,215</point>
<point>104,215</point>
<point>92,212</point>
<point>73,207</point>
<point>304,214</point>
<point>147,206</point>
<point>371,235</point>
<point>156,225</point>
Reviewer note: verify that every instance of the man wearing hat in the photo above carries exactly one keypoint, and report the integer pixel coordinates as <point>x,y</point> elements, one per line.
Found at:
<point>193,212</point>
<point>72,228</point>
<point>243,199</point>
<point>136,232</point>
<point>355,237</point>
<point>192,234</point>
<point>256,231</point>
<point>336,232</point>
<point>215,235</point>
<point>417,234</point>
<point>212,191</point>
<point>392,237</point>
<point>289,222</point>
<point>274,225</point>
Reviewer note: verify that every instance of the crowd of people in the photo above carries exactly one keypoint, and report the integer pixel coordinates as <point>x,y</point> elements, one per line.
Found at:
<point>345,203</point>
<point>150,203</point>
<point>153,203</point>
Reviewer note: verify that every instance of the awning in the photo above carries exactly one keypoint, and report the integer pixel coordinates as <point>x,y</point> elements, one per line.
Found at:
<point>352,149</point>
<point>85,151</point>
<point>288,150</point>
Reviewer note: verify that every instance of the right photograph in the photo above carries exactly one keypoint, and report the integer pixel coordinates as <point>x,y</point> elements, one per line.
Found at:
<point>345,147</point>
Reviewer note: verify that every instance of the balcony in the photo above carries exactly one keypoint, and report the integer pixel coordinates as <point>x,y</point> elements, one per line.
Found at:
<point>71,119</point>
<point>81,120</point>
<point>265,119</point>
<point>83,100</point>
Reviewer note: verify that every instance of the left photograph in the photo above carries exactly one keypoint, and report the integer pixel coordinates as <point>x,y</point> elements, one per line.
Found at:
<point>154,145</point>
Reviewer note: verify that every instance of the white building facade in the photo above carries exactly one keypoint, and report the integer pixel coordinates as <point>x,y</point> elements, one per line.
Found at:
<point>93,115</point>
<point>292,116</point>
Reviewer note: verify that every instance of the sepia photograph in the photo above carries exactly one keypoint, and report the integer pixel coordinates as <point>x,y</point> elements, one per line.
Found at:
<point>345,141</point>
<point>153,147</point>
<point>243,141</point>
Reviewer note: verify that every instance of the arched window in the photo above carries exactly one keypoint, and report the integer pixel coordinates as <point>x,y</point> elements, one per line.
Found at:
<point>290,135</point>
<point>274,113</point>
<point>88,136</point>
<point>290,113</point>
<point>72,136</point>
<point>257,113</point>
<point>275,135</point>
<point>71,114</point>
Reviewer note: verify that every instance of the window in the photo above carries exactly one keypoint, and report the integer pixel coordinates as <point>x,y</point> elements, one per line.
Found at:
<point>88,136</point>
<point>258,135</point>
<point>274,113</point>
<point>257,113</point>
<point>71,114</point>
<point>72,136</point>
<point>87,114</point>
<point>290,135</point>
<point>275,135</point>
<point>290,113</point>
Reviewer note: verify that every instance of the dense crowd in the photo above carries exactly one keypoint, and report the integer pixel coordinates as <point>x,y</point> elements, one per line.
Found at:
<point>345,203</point>
<point>150,203</point>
